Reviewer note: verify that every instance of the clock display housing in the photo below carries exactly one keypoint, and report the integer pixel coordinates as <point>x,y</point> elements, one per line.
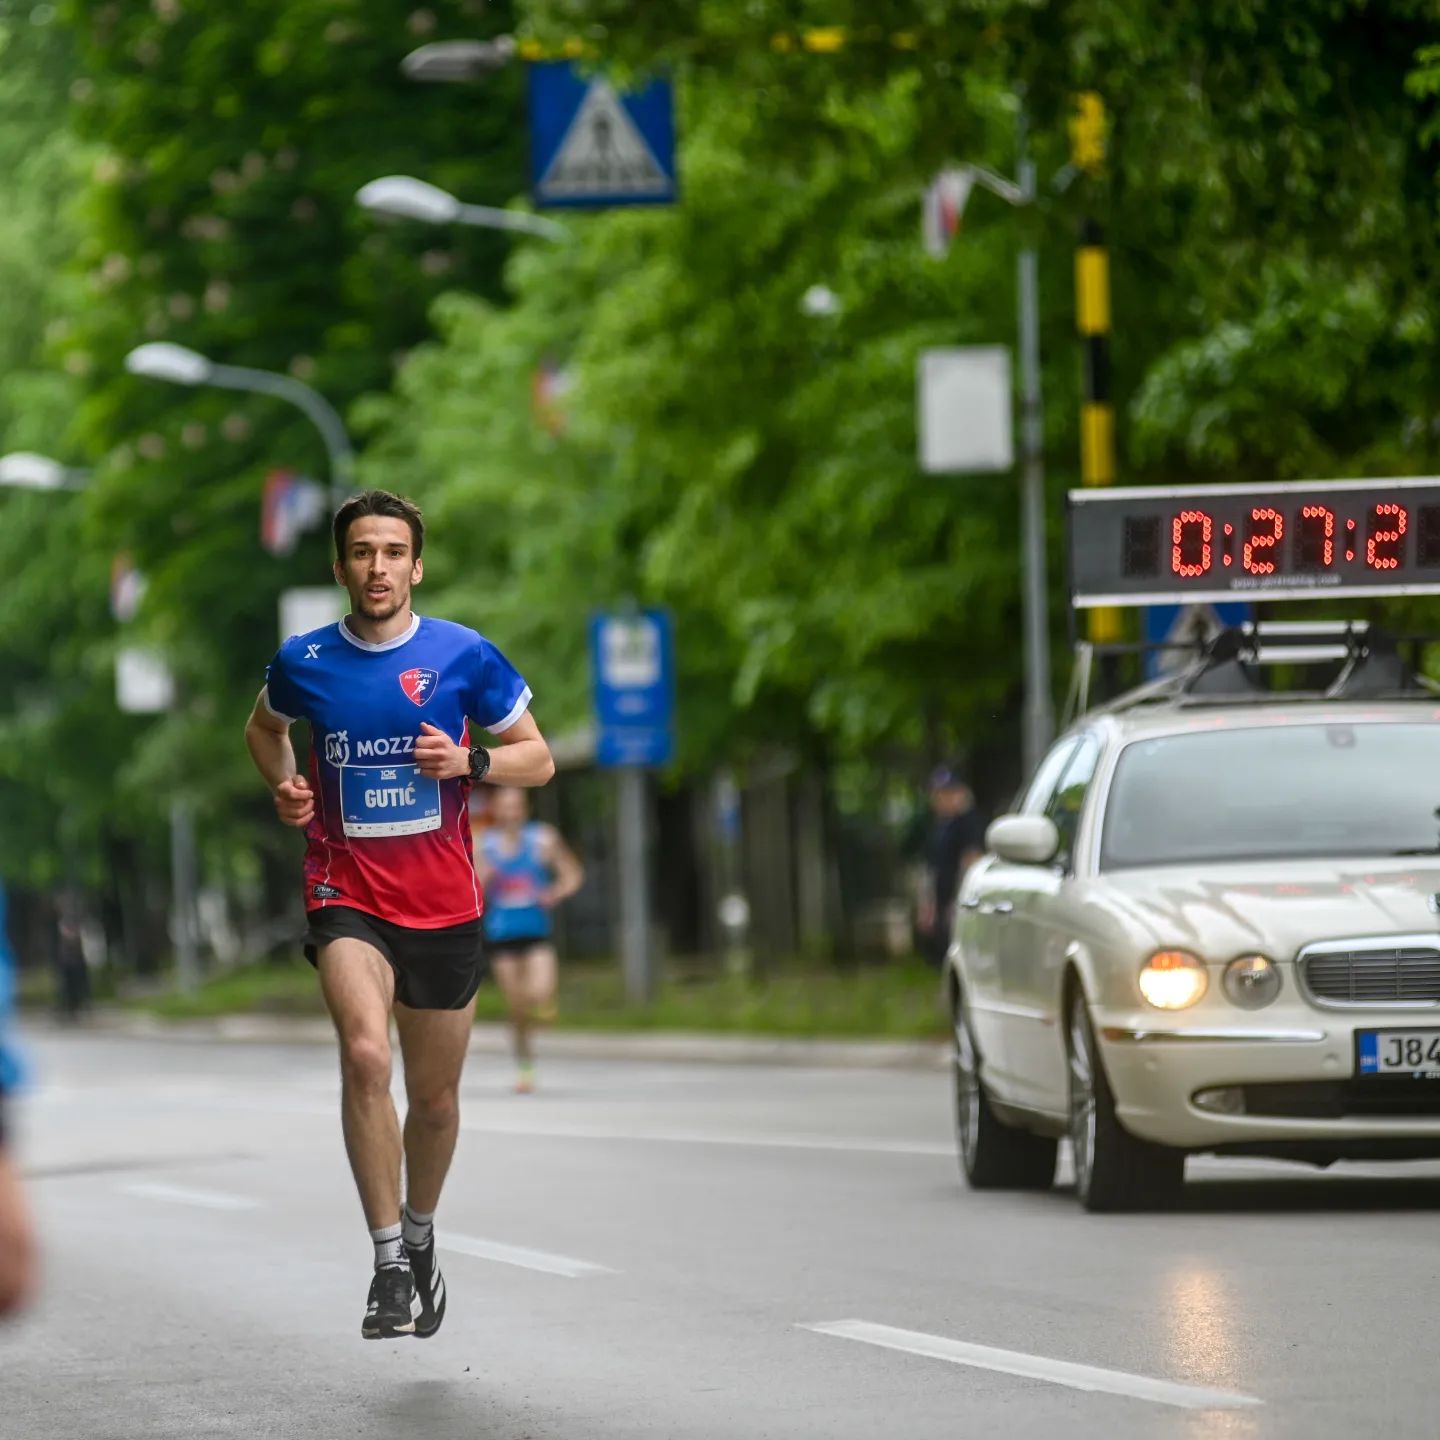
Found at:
<point>1303,540</point>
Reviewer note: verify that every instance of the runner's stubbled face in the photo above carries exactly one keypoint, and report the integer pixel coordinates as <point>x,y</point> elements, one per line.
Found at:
<point>379,567</point>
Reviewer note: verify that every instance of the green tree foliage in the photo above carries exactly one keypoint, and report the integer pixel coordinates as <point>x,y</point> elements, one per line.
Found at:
<point>224,146</point>
<point>1270,201</point>
<point>46,688</point>
<point>733,455</point>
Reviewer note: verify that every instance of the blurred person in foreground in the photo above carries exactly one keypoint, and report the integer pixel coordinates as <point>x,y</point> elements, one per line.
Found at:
<point>17,1246</point>
<point>391,891</point>
<point>954,841</point>
<point>527,870</point>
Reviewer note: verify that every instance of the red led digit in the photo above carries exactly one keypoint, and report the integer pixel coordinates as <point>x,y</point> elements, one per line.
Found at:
<point>1262,542</point>
<point>1317,536</point>
<point>1191,543</point>
<point>1388,524</point>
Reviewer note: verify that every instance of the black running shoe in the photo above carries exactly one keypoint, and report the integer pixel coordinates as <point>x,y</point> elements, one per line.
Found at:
<point>393,1304</point>
<point>429,1288</point>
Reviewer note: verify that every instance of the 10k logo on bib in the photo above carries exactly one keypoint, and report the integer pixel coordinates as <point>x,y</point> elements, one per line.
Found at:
<point>419,685</point>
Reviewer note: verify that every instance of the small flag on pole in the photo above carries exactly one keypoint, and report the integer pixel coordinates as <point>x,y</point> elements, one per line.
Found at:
<point>290,505</point>
<point>127,588</point>
<point>549,388</point>
<point>945,199</point>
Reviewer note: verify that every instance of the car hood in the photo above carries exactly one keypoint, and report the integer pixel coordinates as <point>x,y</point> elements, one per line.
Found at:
<point>1276,908</point>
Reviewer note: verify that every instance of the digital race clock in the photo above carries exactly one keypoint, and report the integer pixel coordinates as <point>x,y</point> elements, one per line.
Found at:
<point>1296,541</point>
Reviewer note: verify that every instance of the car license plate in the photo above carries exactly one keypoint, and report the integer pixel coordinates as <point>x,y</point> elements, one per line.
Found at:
<point>1399,1052</point>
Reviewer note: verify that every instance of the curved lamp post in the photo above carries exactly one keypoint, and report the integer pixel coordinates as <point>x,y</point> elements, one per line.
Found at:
<point>406,198</point>
<point>160,360</point>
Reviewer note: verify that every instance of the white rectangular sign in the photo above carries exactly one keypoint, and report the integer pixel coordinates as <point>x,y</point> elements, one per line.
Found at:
<point>143,682</point>
<point>308,607</point>
<point>965,411</point>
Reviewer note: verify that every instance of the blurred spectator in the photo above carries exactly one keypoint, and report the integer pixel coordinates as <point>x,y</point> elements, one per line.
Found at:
<point>17,1249</point>
<point>954,841</point>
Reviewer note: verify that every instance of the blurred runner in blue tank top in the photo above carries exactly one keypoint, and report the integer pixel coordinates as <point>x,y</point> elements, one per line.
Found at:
<point>527,870</point>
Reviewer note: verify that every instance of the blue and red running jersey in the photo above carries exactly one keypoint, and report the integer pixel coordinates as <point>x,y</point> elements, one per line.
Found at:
<point>385,838</point>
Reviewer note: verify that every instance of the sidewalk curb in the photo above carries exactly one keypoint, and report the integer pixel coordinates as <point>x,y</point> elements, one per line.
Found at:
<point>490,1038</point>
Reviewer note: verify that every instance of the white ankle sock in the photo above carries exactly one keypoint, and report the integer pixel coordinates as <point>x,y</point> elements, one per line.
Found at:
<point>388,1247</point>
<point>417,1228</point>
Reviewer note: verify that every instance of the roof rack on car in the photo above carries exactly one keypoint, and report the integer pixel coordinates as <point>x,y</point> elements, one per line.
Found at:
<point>1228,667</point>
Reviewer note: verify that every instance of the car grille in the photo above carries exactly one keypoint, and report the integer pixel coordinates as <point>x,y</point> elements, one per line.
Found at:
<point>1375,975</point>
<point>1372,1096</point>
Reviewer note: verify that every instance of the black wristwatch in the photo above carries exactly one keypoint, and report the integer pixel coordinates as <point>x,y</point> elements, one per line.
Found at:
<point>479,763</point>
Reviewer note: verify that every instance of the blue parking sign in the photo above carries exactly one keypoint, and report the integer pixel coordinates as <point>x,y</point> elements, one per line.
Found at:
<point>633,668</point>
<point>591,146</point>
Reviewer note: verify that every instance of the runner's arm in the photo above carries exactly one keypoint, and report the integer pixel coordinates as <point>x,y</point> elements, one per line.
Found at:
<point>268,738</point>
<point>267,735</point>
<point>569,872</point>
<point>519,755</point>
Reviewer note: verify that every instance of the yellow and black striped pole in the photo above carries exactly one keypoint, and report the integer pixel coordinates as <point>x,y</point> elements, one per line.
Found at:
<point>1092,320</point>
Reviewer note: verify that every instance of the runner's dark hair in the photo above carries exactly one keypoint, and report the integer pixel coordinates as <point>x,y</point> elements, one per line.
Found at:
<point>378,502</point>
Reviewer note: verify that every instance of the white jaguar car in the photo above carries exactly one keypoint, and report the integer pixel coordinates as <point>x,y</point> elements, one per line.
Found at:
<point>1211,925</point>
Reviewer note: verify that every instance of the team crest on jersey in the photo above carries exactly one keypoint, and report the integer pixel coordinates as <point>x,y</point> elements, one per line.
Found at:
<point>337,747</point>
<point>419,685</point>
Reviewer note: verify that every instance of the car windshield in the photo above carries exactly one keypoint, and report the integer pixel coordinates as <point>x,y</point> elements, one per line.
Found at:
<point>1274,793</point>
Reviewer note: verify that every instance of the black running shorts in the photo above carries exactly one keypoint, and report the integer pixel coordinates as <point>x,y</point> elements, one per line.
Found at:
<point>517,947</point>
<point>434,969</point>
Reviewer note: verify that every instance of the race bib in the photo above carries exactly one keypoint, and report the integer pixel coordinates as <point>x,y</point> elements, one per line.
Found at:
<point>388,800</point>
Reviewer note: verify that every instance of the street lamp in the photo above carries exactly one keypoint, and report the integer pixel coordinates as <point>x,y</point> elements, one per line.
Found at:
<point>406,198</point>
<point>160,360</point>
<point>25,470</point>
<point>448,61</point>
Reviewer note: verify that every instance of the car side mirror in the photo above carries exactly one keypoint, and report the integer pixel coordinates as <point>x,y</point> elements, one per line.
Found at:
<point>1023,839</point>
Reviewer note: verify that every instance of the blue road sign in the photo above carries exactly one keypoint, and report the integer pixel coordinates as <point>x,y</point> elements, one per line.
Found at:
<point>1181,622</point>
<point>632,658</point>
<point>590,146</point>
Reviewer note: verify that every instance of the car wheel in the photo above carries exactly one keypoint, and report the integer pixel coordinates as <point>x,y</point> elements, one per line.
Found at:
<point>993,1155</point>
<point>1113,1169</point>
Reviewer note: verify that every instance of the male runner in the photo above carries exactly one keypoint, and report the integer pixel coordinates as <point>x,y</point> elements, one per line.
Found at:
<point>390,885</point>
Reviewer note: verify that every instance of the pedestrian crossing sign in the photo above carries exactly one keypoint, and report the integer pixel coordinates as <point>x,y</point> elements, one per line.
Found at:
<point>591,146</point>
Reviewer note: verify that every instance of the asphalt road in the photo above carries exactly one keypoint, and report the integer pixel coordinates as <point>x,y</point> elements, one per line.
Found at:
<point>672,1250</point>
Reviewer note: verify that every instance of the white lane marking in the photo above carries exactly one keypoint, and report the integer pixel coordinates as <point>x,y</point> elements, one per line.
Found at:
<point>518,1255</point>
<point>657,1134</point>
<point>665,1135</point>
<point>183,1195</point>
<point>1036,1367</point>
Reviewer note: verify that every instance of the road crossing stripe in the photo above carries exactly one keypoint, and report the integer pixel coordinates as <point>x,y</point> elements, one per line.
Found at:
<point>1036,1367</point>
<point>182,1195</point>
<point>540,1260</point>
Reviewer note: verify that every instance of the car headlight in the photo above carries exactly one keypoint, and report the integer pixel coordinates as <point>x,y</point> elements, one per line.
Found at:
<point>1252,981</point>
<point>1173,979</point>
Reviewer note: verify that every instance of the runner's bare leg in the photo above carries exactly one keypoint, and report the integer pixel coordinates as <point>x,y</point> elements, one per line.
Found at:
<point>433,1044</point>
<point>509,970</point>
<point>359,988</point>
<point>541,976</point>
